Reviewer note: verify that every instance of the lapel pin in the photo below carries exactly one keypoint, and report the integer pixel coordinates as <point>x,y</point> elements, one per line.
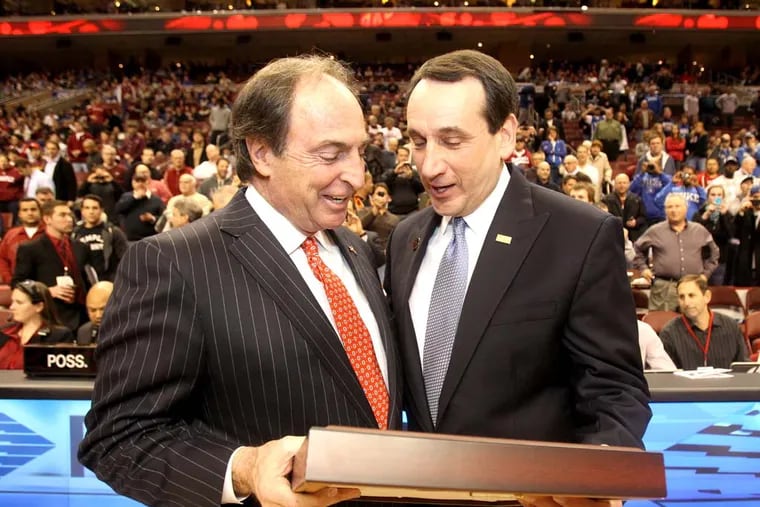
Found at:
<point>503,238</point>
<point>415,244</point>
<point>351,249</point>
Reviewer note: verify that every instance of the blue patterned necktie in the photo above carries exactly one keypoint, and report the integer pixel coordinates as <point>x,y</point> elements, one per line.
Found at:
<point>443,316</point>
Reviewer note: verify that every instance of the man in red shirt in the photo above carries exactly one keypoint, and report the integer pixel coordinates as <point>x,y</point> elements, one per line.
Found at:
<point>29,215</point>
<point>176,169</point>
<point>75,147</point>
<point>11,185</point>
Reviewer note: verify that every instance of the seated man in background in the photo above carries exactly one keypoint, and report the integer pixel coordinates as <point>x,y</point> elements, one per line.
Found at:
<point>701,337</point>
<point>97,298</point>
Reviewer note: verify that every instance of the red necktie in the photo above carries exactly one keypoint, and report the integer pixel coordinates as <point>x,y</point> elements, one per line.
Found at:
<point>353,333</point>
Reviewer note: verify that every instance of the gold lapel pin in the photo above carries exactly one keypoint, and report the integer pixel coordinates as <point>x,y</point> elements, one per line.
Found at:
<point>415,244</point>
<point>351,249</point>
<point>503,238</point>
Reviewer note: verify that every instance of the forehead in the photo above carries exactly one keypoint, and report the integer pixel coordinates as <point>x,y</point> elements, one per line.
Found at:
<point>689,288</point>
<point>325,111</point>
<point>90,202</point>
<point>62,210</point>
<point>437,105</point>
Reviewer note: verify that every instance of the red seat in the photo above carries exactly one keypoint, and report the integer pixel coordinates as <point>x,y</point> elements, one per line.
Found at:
<point>7,220</point>
<point>752,333</point>
<point>642,302</point>
<point>5,296</point>
<point>753,299</point>
<point>725,300</point>
<point>658,318</point>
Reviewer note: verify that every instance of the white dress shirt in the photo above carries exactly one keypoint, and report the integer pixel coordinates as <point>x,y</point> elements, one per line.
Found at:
<point>291,239</point>
<point>478,222</point>
<point>653,354</point>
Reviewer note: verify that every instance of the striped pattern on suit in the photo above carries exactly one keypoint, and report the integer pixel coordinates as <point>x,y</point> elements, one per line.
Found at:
<point>212,340</point>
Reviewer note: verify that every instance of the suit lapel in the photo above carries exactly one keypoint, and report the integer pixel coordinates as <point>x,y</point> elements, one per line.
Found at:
<point>259,252</point>
<point>411,355</point>
<point>497,266</point>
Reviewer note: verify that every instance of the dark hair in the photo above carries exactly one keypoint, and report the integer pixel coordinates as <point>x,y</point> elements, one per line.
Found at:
<point>30,199</point>
<point>49,207</point>
<point>262,108</point>
<point>39,293</point>
<point>699,280</point>
<point>380,185</point>
<point>499,87</point>
<point>93,197</point>
<point>569,177</point>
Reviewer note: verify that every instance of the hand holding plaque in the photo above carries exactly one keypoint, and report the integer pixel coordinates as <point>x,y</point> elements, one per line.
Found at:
<point>263,472</point>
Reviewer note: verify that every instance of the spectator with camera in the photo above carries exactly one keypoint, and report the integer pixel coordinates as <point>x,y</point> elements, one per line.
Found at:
<point>647,184</point>
<point>684,182</point>
<point>715,217</point>
<point>405,188</point>
<point>376,217</point>
<point>656,155</point>
<point>748,256</point>
<point>101,183</point>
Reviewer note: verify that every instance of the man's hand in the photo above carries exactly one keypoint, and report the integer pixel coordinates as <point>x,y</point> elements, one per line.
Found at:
<point>403,170</point>
<point>647,273</point>
<point>560,501</point>
<point>147,217</point>
<point>263,472</point>
<point>63,292</point>
<point>354,223</point>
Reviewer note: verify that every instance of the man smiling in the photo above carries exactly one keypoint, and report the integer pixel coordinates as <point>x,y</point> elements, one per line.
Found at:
<point>514,313</point>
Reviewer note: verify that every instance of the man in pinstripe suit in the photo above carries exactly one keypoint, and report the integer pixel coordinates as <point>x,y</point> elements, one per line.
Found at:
<point>219,347</point>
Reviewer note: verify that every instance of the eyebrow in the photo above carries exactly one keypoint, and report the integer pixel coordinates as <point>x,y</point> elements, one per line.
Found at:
<point>341,145</point>
<point>443,131</point>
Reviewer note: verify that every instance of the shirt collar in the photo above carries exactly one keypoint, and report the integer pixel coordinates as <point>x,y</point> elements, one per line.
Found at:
<point>480,219</point>
<point>289,237</point>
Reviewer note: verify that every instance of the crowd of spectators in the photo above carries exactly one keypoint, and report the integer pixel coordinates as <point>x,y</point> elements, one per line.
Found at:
<point>148,152</point>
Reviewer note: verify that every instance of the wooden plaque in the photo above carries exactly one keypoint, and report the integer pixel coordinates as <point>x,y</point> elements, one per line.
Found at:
<point>439,468</point>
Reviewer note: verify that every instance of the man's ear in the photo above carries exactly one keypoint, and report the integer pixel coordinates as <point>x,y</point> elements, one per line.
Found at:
<point>508,133</point>
<point>261,156</point>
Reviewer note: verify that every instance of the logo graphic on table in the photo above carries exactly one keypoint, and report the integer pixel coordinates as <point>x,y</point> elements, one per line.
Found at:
<point>712,455</point>
<point>19,445</point>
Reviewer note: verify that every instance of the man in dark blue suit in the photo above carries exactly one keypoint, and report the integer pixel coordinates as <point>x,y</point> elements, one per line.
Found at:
<point>514,313</point>
<point>220,346</point>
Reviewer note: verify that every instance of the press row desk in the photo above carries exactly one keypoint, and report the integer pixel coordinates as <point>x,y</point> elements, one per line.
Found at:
<point>708,430</point>
<point>664,387</point>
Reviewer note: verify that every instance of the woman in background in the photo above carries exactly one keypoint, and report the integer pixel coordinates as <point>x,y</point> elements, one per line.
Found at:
<point>34,321</point>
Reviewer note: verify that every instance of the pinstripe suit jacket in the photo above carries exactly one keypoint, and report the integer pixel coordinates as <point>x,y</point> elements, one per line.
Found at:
<point>213,340</point>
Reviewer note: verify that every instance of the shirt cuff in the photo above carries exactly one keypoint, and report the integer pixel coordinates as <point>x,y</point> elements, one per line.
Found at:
<point>228,491</point>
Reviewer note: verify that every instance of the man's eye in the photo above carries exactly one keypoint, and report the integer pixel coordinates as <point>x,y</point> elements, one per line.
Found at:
<point>329,156</point>
<point>453,142</point>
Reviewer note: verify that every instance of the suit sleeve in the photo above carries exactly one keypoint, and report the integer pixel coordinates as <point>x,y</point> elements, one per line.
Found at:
<point>611,394</point>
<point>25,262</point>
<point>150,359</point>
